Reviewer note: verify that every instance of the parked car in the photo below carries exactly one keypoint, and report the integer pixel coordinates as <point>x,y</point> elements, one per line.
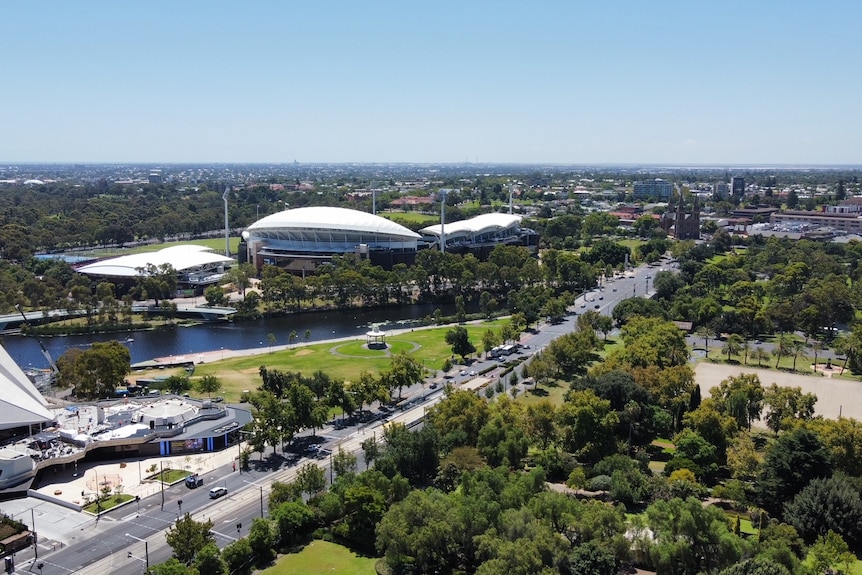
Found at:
<point>217,492</point>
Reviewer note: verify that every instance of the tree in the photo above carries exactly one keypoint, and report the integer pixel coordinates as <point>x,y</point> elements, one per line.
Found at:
<point>831,550</point>
<point>459,418</point>
<point>733,345</point>
<point>208,384</point>
<point>238,556</point>
<point>310,479</point>
<point>587,424</point>
<point>261,538</point>
<point>691,538</point>
<point>757,566</point>
<point>98,371</point>
<point>404,371</point>
<point>760,355</point>
<point>292,519</point>
<point>787,404</point>
<point>208,560</point>
<point>741,397</point>
<point>172,567</point>
<point>791,463</point>
<point>187,537</point>
<point>490,340</point>
<point>825,504</point>
<point>459,339</point>
<point>343,463</point>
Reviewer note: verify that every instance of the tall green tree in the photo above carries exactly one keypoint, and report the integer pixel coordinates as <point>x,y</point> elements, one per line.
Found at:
<point>187,537</point>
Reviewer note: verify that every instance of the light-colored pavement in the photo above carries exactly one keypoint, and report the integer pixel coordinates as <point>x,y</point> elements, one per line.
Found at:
<point>835,397</point>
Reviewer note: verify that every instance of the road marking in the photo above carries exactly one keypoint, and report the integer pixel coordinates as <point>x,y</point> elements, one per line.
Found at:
<point>223,535</point>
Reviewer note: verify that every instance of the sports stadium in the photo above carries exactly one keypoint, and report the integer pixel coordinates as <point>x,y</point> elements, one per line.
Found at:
<point>479,235</point>
<point>301,239</point>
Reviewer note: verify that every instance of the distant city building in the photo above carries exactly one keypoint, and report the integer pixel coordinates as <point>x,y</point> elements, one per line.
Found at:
<point>719,189</point>
<point>737,186</point>
<point>851,223</point>
<point>155,177</point>
<point>657,188</point>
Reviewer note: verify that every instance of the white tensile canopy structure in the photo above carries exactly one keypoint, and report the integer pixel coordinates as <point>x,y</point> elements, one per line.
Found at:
<point>185,259</point>
<point>20,402</point>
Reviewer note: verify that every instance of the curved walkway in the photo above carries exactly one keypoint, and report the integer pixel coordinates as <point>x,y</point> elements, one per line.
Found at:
<point>386,352</point>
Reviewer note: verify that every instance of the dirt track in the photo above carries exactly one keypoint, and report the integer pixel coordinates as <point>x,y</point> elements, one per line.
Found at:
<point>834,396</point>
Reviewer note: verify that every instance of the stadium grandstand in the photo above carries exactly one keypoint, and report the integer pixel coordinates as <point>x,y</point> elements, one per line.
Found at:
<point>196,266</point>
<point>301,239</point>
<point>479,235</point>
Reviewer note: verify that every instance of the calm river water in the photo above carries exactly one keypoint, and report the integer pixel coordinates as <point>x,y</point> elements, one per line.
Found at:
<point>145,345</point>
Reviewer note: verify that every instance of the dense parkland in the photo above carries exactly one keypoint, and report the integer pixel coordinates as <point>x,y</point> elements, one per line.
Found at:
<point>620,416</point>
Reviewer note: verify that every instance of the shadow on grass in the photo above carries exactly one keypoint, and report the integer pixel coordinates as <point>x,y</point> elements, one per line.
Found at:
<point>538,391</point>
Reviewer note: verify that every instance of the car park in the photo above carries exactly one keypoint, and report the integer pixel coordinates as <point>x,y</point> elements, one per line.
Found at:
<point>217,492</point>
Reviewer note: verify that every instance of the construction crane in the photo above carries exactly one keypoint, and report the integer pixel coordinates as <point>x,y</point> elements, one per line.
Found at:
<point>41,345</point>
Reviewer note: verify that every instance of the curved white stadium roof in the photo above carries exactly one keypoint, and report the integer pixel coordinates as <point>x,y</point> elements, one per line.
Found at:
<point>480,224</point>
<point>328,218</point>
<point>182,257</point>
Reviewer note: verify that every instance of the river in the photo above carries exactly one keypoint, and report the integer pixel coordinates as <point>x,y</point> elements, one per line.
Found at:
<point>146,345</point>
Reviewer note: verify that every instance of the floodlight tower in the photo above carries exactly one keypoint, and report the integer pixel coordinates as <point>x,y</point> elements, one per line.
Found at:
<point>442,221</point>
<point>226,228</point>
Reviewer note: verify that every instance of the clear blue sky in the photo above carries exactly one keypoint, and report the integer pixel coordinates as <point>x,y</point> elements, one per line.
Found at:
<point>645,81</point>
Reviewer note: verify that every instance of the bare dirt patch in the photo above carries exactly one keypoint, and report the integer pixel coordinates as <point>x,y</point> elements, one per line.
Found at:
<point>303,352</point>
<point>835,397</point>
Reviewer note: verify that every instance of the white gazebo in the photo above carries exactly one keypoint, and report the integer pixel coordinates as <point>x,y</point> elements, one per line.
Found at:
<point>375,339</point>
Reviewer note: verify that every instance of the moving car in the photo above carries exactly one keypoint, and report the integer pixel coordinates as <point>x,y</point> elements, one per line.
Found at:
<point>194,480</point>
<point>217,492</point>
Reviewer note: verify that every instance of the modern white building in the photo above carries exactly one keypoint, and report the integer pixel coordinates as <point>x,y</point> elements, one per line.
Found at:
<point>195,265</point>
<point>481,234</point>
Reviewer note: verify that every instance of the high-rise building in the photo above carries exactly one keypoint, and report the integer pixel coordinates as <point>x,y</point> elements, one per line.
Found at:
<point>737,186</point>
<point>657,188</point>
<point>719,189</point>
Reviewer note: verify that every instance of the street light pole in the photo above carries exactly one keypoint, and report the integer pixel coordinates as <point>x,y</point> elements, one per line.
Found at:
<point>146,550</point>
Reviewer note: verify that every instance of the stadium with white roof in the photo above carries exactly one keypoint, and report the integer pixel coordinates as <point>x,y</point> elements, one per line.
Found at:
<point>481,234</point>
<point>303,238</point>
<point>196,266</point>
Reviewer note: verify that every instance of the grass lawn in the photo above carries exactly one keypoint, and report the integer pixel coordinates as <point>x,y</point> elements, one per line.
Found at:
<point>553,392</point>
<point>322,557</point>
<point>108,503</point>
<point>341,360</point>
<point>412,217</point>
<point>169,475</point>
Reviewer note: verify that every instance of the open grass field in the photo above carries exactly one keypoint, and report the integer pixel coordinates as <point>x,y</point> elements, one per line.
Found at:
<point>322,557</point>
<point>413,217</point>
<point>341,360</point>
<point>554,392</point>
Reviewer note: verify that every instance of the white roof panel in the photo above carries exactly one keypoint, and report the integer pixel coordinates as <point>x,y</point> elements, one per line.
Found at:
<point>479,224</point>
<point>329,218</point>
<point>20,402</point>
<point>181,257</point>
